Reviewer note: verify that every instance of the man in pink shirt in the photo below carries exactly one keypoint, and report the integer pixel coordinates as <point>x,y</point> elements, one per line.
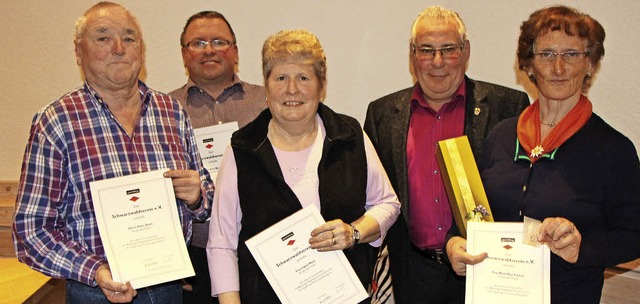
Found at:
<point>405,127</point>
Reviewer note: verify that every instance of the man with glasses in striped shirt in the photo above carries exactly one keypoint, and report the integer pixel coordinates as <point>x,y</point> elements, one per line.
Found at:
<point>213,94</point>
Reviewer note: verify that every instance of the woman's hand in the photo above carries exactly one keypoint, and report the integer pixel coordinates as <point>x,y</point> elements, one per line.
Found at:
<point>562,238</point>
<point>332,235</point>
<point>458,256</point>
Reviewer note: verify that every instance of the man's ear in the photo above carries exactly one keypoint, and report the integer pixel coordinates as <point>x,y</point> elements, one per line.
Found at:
<point>467,47</point>
<point>78,50</point>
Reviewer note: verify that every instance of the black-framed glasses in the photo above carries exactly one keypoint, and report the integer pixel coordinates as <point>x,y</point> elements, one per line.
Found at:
<point>570,57</point>
<point>220,45</point>
<point>447,52</point>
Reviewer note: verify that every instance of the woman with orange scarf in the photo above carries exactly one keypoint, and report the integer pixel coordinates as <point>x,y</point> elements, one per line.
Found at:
<point>562,164</point>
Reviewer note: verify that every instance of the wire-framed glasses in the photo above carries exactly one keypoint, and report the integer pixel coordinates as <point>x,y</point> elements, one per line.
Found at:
<point>570,57</point>
<point>429,53</point>
<point>220,45</point>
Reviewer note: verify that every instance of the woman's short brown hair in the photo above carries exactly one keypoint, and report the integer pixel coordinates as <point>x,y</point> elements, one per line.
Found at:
<point>560,18</point>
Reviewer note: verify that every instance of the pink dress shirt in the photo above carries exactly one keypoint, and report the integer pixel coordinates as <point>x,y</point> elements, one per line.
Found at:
<point>429,212</point>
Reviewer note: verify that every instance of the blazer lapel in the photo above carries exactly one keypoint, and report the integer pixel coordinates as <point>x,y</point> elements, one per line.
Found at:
<point>476,117</point>
<point>399,144</point>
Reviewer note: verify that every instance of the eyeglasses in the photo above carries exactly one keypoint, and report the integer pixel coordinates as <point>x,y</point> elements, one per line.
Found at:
<point>570,57</point>
<point>447,52</point>
<point>220,45</point>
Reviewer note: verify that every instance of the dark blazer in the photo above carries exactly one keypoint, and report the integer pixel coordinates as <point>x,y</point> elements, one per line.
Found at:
<point>387,124</point>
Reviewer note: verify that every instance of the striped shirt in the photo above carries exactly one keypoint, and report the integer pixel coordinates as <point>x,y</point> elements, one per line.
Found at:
<point>241,102</point>
<point>76,140</point>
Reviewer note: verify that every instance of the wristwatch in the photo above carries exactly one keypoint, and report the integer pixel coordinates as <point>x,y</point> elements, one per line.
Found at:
<point>355,235</point>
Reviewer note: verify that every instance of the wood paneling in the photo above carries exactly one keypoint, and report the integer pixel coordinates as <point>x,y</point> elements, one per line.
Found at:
<point>8,190</point>
<point>621,284</point>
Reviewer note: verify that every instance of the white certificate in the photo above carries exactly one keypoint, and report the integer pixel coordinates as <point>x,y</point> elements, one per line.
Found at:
<point>212,141</point>
<point>299,274</point>
<point>513,272</point>
<point>140,229</point>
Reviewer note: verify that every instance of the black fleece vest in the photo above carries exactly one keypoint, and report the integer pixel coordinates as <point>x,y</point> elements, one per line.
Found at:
<point>265,198</point>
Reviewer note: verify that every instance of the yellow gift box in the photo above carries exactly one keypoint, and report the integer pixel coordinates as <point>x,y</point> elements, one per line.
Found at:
<point>462,181</point>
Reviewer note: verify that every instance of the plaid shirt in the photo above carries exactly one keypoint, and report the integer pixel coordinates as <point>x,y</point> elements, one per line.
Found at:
<point>76,140</point>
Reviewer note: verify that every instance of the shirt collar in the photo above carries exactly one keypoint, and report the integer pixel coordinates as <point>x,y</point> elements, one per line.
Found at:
<point>459,97</point>
<point>143,89</point>
<point>236,84</point>
<point>521,154</point>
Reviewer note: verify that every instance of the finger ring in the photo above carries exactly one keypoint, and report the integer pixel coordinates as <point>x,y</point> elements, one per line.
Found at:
<point>333,241</point>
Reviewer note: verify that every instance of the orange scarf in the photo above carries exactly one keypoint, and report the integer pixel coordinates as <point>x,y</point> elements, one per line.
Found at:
<point>529,128</point>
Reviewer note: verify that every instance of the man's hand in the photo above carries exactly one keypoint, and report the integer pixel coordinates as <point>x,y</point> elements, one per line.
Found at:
<point>458,256</point>
<point>186,185</point>
<point>114,291</point>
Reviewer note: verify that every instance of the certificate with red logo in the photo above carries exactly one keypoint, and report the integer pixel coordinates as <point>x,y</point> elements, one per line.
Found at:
<point>513,271</point>
<point>299,274</point>
<point>212,141</point>
<point>140,229</point>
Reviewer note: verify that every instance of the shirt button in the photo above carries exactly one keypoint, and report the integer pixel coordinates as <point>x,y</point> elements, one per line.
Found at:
<point>435,172</point>
<point>524,188</point>
<point>438,117</point>
<point>520,212</point>
<point>437,200</point>
<point>439,227</point>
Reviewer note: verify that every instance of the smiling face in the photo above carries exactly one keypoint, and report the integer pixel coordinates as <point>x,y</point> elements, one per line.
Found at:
<point>439,78</point>
<point>110,50</point>
<point>559,80</point>
<point>210,66</point>
<point>293,93</point>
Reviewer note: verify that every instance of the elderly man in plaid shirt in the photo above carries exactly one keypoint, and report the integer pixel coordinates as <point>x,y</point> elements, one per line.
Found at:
<point>113,125</point>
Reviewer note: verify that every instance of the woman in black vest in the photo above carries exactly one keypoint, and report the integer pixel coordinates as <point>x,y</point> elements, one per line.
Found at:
<point>295,154</point>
